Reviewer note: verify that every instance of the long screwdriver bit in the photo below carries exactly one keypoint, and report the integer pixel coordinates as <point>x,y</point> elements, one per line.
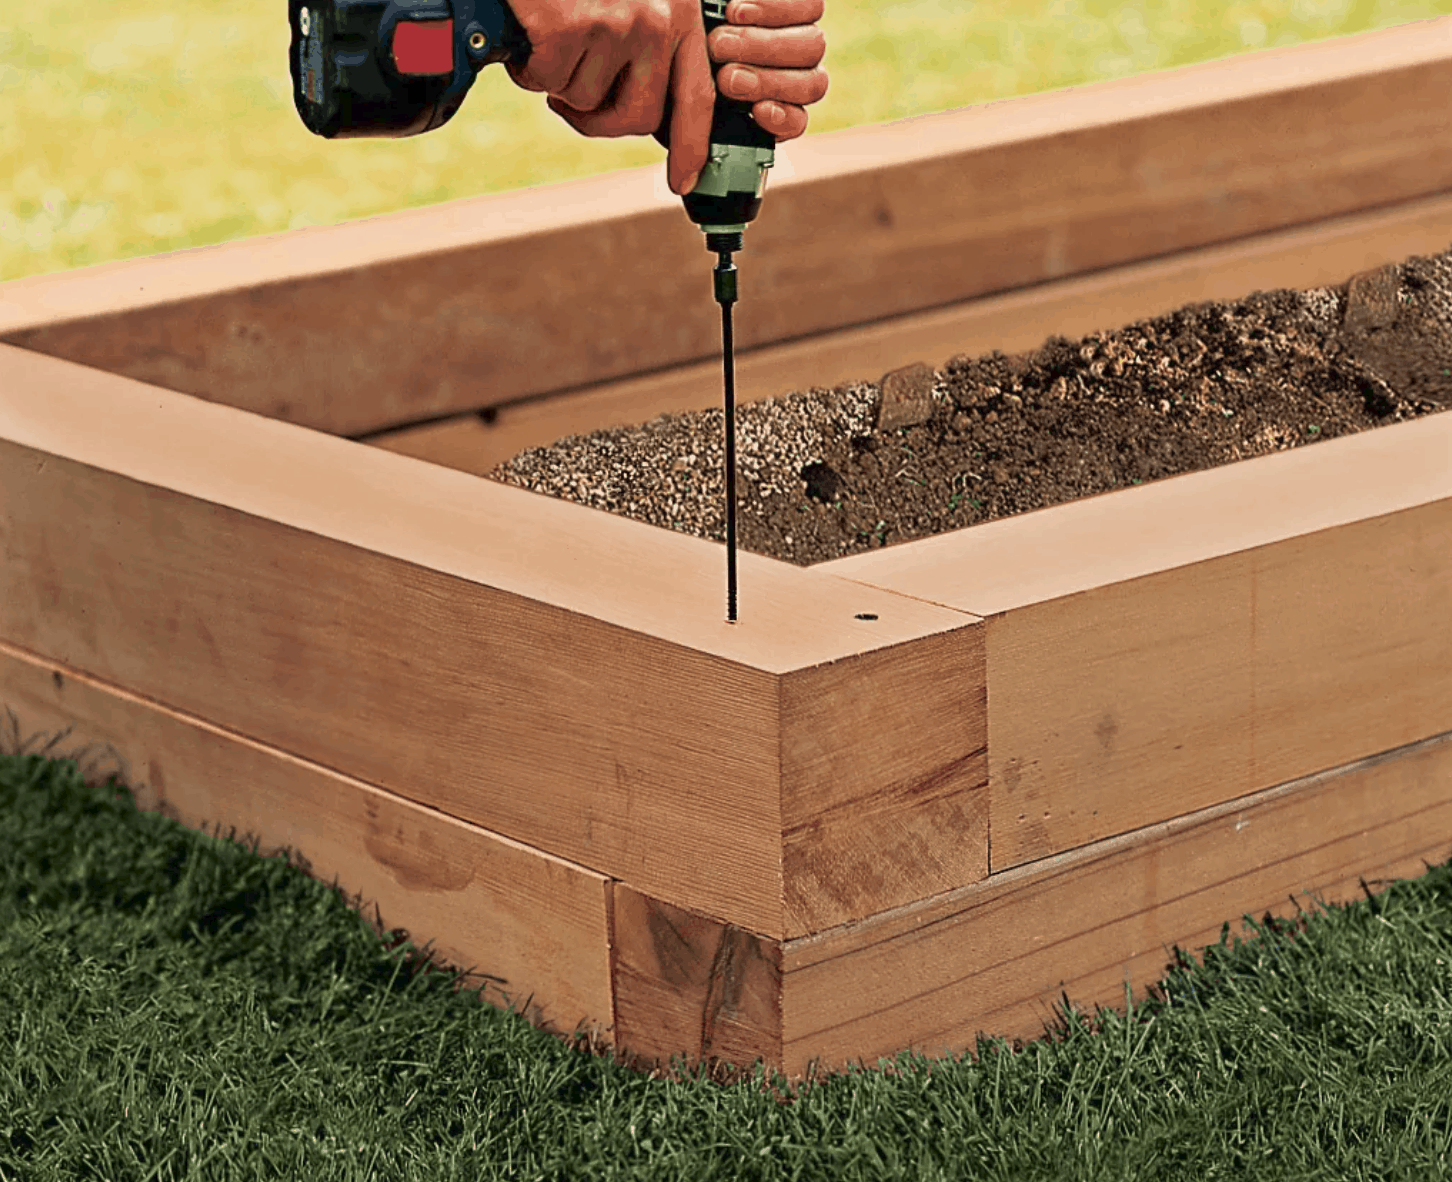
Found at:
<point>725,277</point>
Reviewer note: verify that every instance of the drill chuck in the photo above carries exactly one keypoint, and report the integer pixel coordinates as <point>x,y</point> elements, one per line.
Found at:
<point>725,274</point>
<point>725,243</point>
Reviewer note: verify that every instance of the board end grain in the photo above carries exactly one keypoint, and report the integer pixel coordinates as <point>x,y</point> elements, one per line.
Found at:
<point>692,987</point>
<point>884,779</point>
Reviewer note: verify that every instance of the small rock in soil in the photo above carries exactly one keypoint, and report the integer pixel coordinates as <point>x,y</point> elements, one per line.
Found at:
<point>989,437</point>
<point>905,398</point>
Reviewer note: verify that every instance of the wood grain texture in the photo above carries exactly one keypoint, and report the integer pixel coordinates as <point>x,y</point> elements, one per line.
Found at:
<point>1322,254</point>
<point>628,575</point>
<point>875,222</point>
<point>529,923</point>
<point>555,731</point>
<point>1119,707</point>
<point>692,986</point>
<point>1141,701</point>
<point>1155,650</point>
<point>1352,642</point>
<point>511,659</point>
<point>994,957</point>
<point>884,773</point>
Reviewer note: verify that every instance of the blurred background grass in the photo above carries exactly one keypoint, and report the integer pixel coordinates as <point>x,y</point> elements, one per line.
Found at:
<point>128,130</point>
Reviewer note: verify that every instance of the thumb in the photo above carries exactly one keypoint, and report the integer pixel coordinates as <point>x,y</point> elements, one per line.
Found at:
<point>693,94</point>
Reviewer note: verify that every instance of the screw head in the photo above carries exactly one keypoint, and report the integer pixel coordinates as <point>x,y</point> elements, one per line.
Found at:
<point>477,41</point>
<point>305,21</point>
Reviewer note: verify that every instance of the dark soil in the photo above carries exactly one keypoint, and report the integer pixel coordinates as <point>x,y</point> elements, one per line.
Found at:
<point>828,473</point>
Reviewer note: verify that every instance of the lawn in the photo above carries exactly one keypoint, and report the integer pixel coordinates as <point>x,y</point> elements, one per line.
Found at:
<point>131,129</point>
<point>175,1006</point>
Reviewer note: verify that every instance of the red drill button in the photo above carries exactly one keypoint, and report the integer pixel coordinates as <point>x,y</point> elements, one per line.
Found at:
<point>424,47</point>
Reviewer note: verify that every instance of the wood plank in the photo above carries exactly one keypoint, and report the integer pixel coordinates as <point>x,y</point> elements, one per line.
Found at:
<point>1158,649</point>
<point>874,222</point>
<point>995,956</point>
<point>1129,533</point>
<point>884,780</point>
<point>549,672</point>
<point>1138,702</point>
<point>1123,706</point>
<point>1322,254</point>
<point>532,924</point>
<point>692,986</point>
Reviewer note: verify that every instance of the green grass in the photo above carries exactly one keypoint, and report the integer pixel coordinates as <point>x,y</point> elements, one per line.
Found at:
<point>174,1006</point>
<point>132,129</point>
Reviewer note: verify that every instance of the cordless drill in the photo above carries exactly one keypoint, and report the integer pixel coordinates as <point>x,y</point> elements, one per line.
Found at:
<point>400,67</point>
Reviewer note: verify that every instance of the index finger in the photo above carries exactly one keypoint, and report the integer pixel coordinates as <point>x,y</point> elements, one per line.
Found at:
<point>693,91</point>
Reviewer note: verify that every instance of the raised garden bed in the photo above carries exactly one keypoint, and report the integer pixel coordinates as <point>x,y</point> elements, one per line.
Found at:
<point>919,790</point>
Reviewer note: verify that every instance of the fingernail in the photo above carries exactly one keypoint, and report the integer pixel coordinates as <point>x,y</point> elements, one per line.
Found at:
<point>775,113</point>
<point>746,14</point>
<point>690,183</point>
<point>745,82</point>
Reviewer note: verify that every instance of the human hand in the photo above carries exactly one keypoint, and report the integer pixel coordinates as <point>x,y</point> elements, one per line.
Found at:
<point>783,36</point>
<point>608,67</point>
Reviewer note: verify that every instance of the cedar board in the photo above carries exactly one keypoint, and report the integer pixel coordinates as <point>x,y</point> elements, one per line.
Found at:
<point>789,837</point>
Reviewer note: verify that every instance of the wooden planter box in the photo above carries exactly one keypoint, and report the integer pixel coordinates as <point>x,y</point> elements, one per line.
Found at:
<point>915,793</point>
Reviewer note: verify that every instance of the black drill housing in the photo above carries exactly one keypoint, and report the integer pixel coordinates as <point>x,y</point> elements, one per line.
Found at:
<point>344,84</point>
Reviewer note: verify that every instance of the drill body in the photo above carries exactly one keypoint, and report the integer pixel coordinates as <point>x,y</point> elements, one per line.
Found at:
<point>393,68</point>
<point>728,192</point>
